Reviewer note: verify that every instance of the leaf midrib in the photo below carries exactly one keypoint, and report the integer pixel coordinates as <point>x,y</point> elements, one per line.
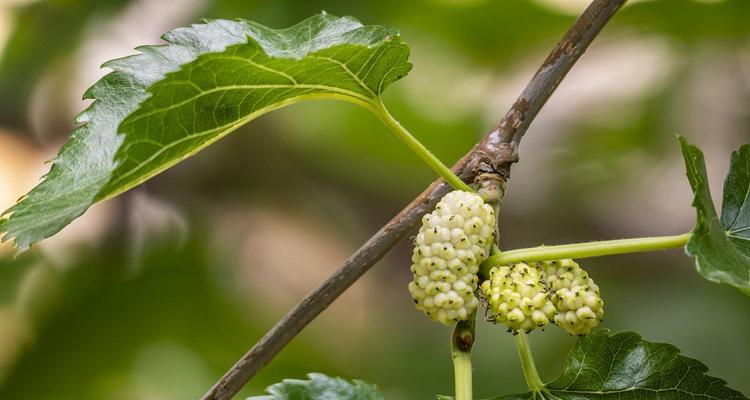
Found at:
<point>227,128</point>
<point>246,87</point>
<point>346,69</point>
<point>234,125</point>
<point>599,392</point>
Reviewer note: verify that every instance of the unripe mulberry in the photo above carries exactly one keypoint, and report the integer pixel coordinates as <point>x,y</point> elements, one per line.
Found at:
<point>518,298</point>
<point>453,240</point>
<point>575,295</point>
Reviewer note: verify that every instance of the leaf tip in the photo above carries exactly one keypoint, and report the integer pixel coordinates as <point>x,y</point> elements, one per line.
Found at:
<point>684,144</point>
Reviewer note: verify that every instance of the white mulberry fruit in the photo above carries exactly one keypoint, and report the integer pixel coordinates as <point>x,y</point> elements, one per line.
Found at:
<point>575,296</point>
<point>518,298</point>
<point>453,240</point>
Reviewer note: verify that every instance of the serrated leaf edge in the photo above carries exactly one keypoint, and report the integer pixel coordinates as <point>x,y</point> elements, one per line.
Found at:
<point>178,52</point>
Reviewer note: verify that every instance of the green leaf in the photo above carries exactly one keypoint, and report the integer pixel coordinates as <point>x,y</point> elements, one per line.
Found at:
<point>168,102</point>
<point>624,366</point>
<point>721,246</point>
<point>320,387</point>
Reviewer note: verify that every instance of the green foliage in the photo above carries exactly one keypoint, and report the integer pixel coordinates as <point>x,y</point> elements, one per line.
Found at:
<point>623,365</point>
<point>164,105</point>
<point>721,246</point>
<point>320,386</point>
<point>167,103</point>
<point>124,324</point>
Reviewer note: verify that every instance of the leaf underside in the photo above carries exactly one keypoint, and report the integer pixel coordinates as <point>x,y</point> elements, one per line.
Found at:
<point>721,245</point>
<point>163,105</point>
<point>320,387</point>
<point>624,366</point>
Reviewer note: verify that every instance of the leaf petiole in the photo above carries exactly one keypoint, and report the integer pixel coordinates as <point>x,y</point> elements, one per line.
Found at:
<point>417,147</point>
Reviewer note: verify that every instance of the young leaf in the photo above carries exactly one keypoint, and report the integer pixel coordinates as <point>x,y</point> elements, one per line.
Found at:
<point>321,387</point>
<point>624,366</point>
<point>721,246</point>
<point>168,102</point>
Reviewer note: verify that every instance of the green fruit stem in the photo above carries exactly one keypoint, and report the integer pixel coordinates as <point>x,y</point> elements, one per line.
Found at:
<point>585,250</point>
<point>527,363</point>
<point>417,147</point>
<point>462,341</point>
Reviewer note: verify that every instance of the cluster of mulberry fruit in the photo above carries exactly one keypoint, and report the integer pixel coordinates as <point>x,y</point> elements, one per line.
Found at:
<point>453,240</point>
<point>518,298</point>
<point>526,297</point>
<point>575,295</point>
<point>456,237</point>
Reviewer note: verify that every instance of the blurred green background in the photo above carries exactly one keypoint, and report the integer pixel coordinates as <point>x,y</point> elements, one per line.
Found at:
<point>153,295</point>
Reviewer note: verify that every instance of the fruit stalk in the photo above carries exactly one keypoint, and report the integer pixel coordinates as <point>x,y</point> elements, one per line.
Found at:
<point>585,250</point>
<point>462,342</point>
<point>527,363</point>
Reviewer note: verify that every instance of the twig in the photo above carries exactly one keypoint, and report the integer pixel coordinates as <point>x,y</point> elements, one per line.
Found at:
<point>562,58</point>
<point>491,157</point>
